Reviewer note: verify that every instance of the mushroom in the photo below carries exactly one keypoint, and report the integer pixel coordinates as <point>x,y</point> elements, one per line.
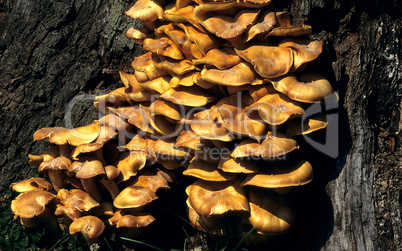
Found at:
<point>269,214</point>
<point>33,184</point>
<point>308,87</point>
<point>134,197</point>
<point>31,208</point>
<point>90,227</point>
<point>206,171</point>
<point>54,169</point>
<point>211,198</point>
<point>132,224</point>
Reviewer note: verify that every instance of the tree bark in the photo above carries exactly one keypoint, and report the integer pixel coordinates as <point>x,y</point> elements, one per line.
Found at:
<point>51,51</point>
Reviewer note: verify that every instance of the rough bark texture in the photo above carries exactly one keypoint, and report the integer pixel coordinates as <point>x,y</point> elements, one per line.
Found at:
<point>51,51</point>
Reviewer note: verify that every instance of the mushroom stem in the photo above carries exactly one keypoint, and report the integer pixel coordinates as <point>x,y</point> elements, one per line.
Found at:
<point>56,177</point>
<point>111,186</point>
<point>91,188</point>
<point>47,219</point>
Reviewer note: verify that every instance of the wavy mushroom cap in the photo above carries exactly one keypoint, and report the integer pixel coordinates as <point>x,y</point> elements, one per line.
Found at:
<point>202,40</point>
<point>145,63</point>
<point>191,140</point>
<point>212,198</point>
<point>164,148</point>
<point>246,148</point>
<point>290,31</point>
<point>296,174</point>
<point>307,87</point>
<point>134,197</point>
<point>205,171</point>
<point>167,109</point>
<point>59,163</point>
<point>151,181</point>
<point>277,144</point>
<point>31,204</point>
<point>184,15</point>
<point>240,74</point>
<point>237,165</point>
<point>76,199</point>
<point>268,61</point>
<point>86,167</point>
<point>221,58</point>
<point>130,163</point>
<point>146,10</point>
<point>174,67</point>
<point>33,184</point>
<point>309,125</point>
<point>114,122</point>
<point>225,26</point>
<point>304,50</point>
<point>269,214</point>
<point>276,109</point>
<point>135,221</point>
<point>209,125</point>
<point>74,137</point>
<point>89,226</point>
<point>262,26</point>
<point>187,79</point>
<point>138,34</point>
<point>193,96</point>
<point>164,47</point>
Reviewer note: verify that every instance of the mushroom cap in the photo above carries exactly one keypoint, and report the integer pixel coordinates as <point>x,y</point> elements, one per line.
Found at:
<point>87,167</point>
<point>206,171</point>
<point>114,122</point>
<point>184,15</point>
<point>167,109</point>
<point>76,199</point>
<point>191,140</point>
<point>151,181</point>
<point>31,204</point>
<point>138,34</point>
<point>146,10</point>
<point>203,41</point>
<point>137,221</point>
<point>277,144</point>
<point>89,225</point>
<point>164,148</point>
<point>187,79</point>
<point>268,61</point>
<point>276,109</point>
<point>296,174</point>
<point>134,197</point>
<point>239,74</point>
<point>308,87</point>
<point>130,80</point>
<point>269,214</point>
<point>59,163</point>
<point>112,172</point>
<point>263,26</point>
<point>309,125</point>
<point>211,198</point>
<point>174,67</point>
<point>33,184</point>
<point>225,26</point>
<point>304,50</point>
<point>209,125</point>
<point>246,148</point>
<point>131,162</point>
<point>71,213</point>
<point>74,137</point>
<point>221,58</point>
<point>145,63</point>
<point>238,122</point>
<point>193,96</point>
<point>290,31</point>
<point>232,165</point>
<point>164,47</point>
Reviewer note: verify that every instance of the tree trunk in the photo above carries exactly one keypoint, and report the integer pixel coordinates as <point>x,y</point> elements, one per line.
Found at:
<point>52,51</point>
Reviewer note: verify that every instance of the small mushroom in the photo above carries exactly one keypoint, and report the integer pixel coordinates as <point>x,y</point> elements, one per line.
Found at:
<point>33,184</point>
<point>90,227</point>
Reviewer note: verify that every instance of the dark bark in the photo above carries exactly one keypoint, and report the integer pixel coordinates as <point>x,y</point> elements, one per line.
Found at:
<point>51,51</point>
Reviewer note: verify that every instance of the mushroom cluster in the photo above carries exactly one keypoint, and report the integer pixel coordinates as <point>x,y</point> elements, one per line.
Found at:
<point>218,96</point>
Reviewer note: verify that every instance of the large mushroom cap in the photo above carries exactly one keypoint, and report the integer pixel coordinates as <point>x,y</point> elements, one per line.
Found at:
<point>277,144</point>
<point>210,198</point>
<point>134,197</point>
<point>31,204</point>
<point>33,184</point>
<point>221,58</point>
<point>146,10</point>
<point>308,87</point>
<point>232,165</point>
<point>239,74</point>
<point>89,226</point>
<point>87,167</point>
<point>268,214</point>
<point>276,109</point>
<point>304,51</point>
<point>76,199</point>
<point>268,61</point>
<point>296,174</point>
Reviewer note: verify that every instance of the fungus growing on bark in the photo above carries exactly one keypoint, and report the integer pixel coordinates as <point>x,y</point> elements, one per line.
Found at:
<point>218,96</point>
